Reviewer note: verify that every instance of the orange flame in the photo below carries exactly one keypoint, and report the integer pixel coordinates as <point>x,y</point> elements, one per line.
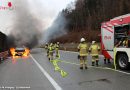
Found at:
<point>12,51</point>
<point>26,53</point>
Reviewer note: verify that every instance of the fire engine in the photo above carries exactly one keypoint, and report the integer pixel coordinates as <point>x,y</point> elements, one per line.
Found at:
<point>115,40</point>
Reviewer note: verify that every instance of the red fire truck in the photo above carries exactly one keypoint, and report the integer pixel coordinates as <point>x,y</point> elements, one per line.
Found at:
<point>115,40</point>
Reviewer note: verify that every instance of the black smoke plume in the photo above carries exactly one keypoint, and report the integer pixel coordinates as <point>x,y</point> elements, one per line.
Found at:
<point>26,29</point>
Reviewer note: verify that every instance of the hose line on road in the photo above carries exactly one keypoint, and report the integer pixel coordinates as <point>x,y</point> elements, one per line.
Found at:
<point>100,67</point>
<point>57,68</point>
<point>115,59</point>
<point>52,81</point>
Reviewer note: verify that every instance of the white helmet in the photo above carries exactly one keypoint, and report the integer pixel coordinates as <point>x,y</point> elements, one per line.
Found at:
<point>58,42</point>
<point>51,44</point>
<point>93,42</point>
<point>82,40</point>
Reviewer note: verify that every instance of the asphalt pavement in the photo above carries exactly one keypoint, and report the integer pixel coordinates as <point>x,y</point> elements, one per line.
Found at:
<point>36,72</point>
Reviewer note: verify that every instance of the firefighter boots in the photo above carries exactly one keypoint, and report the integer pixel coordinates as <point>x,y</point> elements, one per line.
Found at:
<point>93,63</point>
<point>96,62</point>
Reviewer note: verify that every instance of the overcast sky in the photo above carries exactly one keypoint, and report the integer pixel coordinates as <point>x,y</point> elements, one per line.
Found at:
<point>46,10</point>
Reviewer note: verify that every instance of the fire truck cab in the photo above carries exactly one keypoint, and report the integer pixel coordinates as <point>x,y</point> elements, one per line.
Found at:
<point>115,40</point>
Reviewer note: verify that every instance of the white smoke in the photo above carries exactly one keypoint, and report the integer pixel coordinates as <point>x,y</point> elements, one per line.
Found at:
<point>30,19</point>
<point>26,27</point>
<point>57,28</point>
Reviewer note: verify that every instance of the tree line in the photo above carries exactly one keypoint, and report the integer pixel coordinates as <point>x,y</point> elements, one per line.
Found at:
<point>85,17</point>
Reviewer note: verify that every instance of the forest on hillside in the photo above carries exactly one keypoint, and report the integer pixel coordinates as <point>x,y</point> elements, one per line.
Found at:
<point>84,18</point>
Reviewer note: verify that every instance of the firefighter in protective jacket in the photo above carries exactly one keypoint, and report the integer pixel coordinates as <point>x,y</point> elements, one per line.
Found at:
<point>57,49</point>
<point>46,48</point>
<point>83,49</point>
<point>94,50</point>
<point>50,51</point>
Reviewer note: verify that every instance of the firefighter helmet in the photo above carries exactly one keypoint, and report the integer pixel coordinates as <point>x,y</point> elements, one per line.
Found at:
<point>93,42</point>
<point>58,42</point>
<point>82,40</point>
<point>51,44</point>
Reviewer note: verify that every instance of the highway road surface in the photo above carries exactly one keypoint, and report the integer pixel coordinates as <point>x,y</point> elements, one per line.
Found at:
<point>35,72</point>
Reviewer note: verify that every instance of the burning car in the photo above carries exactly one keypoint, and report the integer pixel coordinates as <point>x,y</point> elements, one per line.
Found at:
<point>19,51</point>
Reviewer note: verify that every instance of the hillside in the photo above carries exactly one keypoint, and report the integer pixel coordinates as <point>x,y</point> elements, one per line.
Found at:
<point>85,19</point>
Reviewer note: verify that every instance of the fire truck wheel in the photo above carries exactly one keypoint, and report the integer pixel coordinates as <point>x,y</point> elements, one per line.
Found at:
<point>122,61</point>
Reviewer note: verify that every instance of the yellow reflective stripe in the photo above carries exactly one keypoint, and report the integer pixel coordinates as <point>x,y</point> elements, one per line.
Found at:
<point>83,54</point>
<point>94,54</point>
<point>93,60</point>
<point>94,47</point>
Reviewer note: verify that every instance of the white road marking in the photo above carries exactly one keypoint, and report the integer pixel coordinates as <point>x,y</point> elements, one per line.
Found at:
<point>105,68</point>
<point>52,81</point>
<point>92,66</point>
<point>69,51</point>
<point>96,67</point>
<point>113,70</point>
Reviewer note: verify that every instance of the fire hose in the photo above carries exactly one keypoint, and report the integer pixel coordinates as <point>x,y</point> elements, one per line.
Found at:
<point>57,68</point>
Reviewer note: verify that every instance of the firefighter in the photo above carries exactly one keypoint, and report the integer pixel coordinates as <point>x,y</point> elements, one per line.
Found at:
<point>94,50</point>
<point>57,49</point>
<point>46,48</point>
<point>125,42</point>
<point>107,60</point>
<point>83,49</point>
<point>50,51</point>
